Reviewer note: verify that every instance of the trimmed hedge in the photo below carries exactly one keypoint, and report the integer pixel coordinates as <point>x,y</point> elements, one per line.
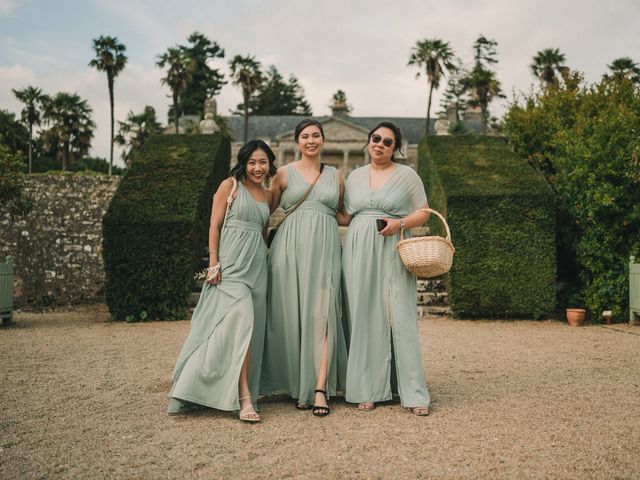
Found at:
<point>502,219</point>
<point>156,227</point>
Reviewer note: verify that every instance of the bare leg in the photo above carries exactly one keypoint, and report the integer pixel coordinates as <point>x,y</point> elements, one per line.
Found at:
<point>246,406</point>
<point>321,380</point>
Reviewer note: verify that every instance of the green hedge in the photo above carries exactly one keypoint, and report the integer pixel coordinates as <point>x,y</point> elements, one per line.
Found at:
<point>156,227</point>
<point>502,219</point>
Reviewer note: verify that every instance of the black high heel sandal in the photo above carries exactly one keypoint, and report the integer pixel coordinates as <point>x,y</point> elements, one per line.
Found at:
<point>321,411</point>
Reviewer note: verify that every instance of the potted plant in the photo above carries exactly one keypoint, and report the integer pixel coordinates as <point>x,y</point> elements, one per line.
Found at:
<point>575,316</point>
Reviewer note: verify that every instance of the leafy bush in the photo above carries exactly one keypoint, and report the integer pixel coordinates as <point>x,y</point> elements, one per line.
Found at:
<point>501,216</point>
<point>586,140</point>
<point>156,227</point>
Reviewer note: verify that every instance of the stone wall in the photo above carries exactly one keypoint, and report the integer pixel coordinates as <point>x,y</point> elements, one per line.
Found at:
<point>57,247</point>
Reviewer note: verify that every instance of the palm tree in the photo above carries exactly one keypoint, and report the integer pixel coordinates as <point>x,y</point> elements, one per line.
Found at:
<point>179,73</point>
<point>546,63</point>
<point>71,127</point>
<point>245,72</point>
<point>110,58</point>
<point>436,57</point>
<point>136,130</point>
<point>624,67</point>
<point>33,100</point>
<point>485,87</point>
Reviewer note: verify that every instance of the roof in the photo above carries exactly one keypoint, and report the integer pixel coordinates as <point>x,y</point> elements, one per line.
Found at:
<point>273,126</point>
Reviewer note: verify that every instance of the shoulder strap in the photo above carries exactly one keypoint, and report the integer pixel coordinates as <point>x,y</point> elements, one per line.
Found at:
<point>229,201</point>
<point>302,199</point>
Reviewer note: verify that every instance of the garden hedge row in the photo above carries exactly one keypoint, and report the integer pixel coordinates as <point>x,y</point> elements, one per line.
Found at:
<point>502,219</point>
<point>155,229</point>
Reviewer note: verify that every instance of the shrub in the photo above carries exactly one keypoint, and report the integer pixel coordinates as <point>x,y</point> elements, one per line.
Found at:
<point>585,139</point>
<point>501,216</point>
<point>156,227</point>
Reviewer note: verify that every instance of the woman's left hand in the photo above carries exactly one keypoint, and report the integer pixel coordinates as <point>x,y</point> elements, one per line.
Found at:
<point>392,228</point>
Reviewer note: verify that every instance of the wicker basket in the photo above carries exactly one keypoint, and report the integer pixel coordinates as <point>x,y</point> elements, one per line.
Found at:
<point>429,256</point>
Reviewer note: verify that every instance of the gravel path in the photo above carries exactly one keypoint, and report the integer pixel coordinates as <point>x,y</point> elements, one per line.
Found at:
<point>82,397</point>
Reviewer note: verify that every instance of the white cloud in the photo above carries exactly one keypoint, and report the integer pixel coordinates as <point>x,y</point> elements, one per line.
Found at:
<point>360,46</point>
<point>7,7</point>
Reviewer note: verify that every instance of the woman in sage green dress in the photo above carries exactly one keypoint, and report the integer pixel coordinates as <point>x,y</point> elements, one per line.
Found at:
<point>380,294</point>
<point>219,365</point>
<point>305,353</point>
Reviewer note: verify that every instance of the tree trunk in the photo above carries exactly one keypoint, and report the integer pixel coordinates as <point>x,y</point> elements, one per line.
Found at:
<point>110,81</point>
<point>429,108</point>
<point>65,156</point>
<point>175,110</point>
<point>246,116</point>
<point>30,144</point>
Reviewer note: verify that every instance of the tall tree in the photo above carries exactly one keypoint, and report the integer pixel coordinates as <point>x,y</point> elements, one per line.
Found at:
<point>485,51</point>
<point>33,99</point>
<point>435,57</point>
<point>205,81</point>
<point>110,58</point>
<point>481,81</point>
<point>133,133</point>
<point>13,134</point>
<point>70,127</point>
<point>454,94</point>
<point>180,69</point>
<point>624,67</point>
<point>246,73</point>
<point>486,88</point>
<point>339,102</point>
<point>278,97</point>
<point>546,63</point>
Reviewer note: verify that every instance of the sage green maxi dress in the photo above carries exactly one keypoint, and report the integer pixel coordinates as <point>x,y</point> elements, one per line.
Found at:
<point>229,317</point>
<point>380,294</point>
<point>304,299</point>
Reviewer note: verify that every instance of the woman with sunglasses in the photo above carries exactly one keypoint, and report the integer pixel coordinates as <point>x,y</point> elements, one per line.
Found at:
<point>380,294</point>
<point>305,353</point>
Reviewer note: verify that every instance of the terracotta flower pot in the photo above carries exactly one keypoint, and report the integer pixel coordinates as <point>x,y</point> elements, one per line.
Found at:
<point>575,316</point>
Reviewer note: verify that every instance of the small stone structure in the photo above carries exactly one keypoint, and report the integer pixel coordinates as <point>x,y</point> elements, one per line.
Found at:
<point>208,125</point>
<point>57,247</point>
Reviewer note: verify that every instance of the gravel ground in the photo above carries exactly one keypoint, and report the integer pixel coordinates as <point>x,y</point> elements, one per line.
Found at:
<point>82,397</point>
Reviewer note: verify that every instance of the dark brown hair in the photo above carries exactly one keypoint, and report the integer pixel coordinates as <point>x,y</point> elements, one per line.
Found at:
<point>396,133</point>
<point>239,170</point>
<point>304,124</point>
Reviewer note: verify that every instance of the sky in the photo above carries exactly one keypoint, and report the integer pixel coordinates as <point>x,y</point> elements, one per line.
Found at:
<point>361,47</point>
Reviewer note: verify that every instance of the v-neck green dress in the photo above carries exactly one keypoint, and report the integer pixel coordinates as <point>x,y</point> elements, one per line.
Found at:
<point>304,299</point>
<point>380,294</point>
<point>229,318</point>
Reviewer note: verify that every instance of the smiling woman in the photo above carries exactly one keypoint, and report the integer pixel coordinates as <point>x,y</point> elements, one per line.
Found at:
<point>305,350</point>
<point>220,362</point>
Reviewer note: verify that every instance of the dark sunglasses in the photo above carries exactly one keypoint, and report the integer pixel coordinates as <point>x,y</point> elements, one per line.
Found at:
<point>387,142</point>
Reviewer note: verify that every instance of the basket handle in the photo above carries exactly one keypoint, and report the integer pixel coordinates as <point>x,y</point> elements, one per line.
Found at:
<point>446,225</point>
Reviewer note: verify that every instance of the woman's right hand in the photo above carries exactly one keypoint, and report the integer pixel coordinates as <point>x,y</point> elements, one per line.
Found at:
<point>213,274</point>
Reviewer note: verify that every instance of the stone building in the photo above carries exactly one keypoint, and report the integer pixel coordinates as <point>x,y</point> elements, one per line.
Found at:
<point>345,136</point>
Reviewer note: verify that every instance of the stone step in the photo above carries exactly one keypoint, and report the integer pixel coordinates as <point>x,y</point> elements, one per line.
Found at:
<point>192,299</point>
<point>430,311</point>
<point>433,298</point>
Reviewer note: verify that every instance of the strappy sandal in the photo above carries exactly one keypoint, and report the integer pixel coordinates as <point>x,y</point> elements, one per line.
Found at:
<point>318,410</point>
<point>420,411</point>
<point>251,417</point>
<point>304,406</point>
<point>366,406</point>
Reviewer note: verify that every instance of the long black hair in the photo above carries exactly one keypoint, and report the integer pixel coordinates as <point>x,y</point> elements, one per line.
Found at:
<point>304,124</point>
<point>396,133</point>
<point>239,170</point>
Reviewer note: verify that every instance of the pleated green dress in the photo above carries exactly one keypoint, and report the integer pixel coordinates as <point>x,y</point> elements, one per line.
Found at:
<point>229,318</point>
<point>380,294</point>
<point>304,296</point>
